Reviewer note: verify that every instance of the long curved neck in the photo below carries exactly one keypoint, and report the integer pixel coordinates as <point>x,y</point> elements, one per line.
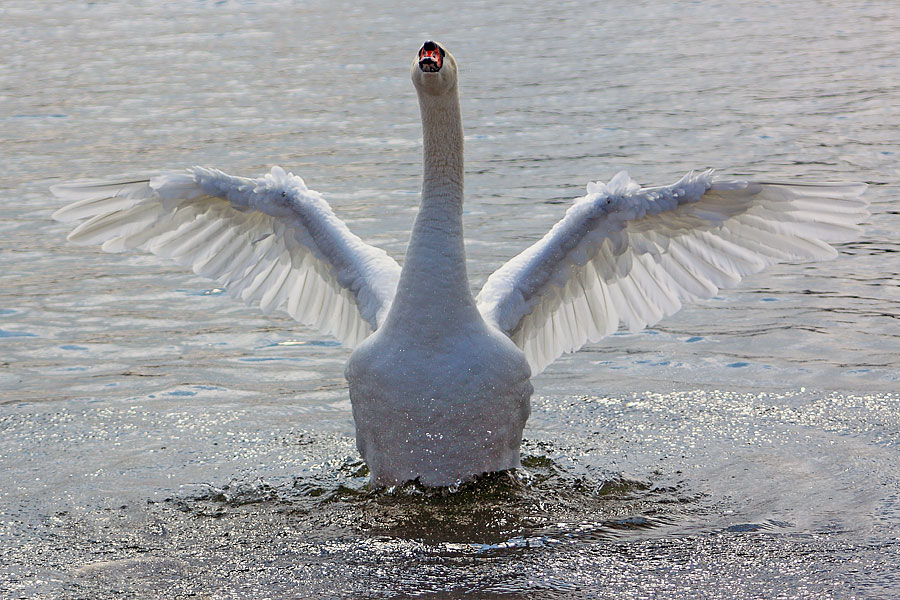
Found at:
<point>433,292</point>
<point>442,134</point>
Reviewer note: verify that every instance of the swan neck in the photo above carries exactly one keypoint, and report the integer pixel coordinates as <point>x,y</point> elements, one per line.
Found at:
<point>433,293</point>
<point>442,135</point>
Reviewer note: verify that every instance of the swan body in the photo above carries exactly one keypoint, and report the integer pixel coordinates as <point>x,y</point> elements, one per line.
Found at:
<point>440,380</point>
<point>438,394</point>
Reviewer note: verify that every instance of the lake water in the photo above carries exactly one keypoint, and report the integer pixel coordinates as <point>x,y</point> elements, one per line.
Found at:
<point>158,439</point>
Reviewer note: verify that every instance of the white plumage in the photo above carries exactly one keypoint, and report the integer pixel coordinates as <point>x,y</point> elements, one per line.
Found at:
<point>441,391</point>
<point>631,255</point>
<point>269,241</point>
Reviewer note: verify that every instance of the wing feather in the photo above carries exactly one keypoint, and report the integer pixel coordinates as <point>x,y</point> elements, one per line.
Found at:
<point>270,241</point>
<point>631,256</point>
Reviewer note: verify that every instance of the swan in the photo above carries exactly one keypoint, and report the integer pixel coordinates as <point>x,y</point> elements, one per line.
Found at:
<point>440,380</point>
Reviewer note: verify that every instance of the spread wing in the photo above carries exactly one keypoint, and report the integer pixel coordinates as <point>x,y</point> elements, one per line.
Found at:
<point>270,241</point>
<point>633,255</point>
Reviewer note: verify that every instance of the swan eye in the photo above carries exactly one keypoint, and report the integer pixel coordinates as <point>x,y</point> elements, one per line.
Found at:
<point>431,57</point>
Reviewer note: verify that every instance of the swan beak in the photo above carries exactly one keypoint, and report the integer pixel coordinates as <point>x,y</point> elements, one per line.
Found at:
<point>431,57</point>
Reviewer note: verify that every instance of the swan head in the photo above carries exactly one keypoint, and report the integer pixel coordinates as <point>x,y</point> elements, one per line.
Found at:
<point>434,70</point>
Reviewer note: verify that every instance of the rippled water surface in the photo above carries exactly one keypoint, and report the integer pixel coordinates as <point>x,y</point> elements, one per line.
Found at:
<point>158,439</point>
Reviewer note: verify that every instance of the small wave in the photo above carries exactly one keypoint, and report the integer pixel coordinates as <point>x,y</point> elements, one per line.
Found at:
<point>544,503</point>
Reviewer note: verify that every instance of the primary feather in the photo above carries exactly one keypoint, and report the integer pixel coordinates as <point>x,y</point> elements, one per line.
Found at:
<point>630,255</point>
<point>270,241</point>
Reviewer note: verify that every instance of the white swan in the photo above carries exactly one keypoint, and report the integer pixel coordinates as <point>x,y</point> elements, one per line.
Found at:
<point>439,380</point>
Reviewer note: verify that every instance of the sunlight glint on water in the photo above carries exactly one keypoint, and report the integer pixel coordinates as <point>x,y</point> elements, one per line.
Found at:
<point>160,440</point>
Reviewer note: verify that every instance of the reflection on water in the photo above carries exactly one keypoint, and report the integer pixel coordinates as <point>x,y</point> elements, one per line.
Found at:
<point>655,491</point>
<point>160,440</point>
<point>559,527</point>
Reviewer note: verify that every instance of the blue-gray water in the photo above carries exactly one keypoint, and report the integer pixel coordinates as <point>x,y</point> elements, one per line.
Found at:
<point>158,439</point>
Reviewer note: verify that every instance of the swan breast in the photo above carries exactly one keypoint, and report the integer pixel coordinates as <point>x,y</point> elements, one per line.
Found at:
<point>439,412</point>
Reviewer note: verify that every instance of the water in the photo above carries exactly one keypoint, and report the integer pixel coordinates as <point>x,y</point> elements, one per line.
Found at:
<point>160,440</point>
